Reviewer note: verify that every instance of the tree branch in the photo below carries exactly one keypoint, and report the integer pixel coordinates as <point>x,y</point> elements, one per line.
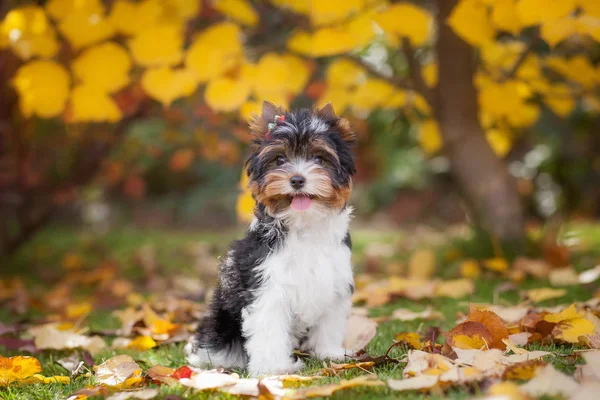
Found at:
<point>521,59</point>
<point>415,74</point>
<point>398,83</point>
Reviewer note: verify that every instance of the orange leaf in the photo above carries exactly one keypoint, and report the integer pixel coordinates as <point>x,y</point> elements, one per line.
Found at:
<point>16,369</point>
<point>181,159</point>
<point>493,323</point>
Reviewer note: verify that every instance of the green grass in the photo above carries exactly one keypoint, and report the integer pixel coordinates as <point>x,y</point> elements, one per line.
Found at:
<point>39,265</point>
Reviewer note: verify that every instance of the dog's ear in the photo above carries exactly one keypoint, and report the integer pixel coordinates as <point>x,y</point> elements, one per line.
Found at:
<point>342,124</point>
<point>259,125</point>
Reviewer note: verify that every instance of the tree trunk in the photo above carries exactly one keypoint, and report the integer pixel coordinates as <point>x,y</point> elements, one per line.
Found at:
<point>482,176</point>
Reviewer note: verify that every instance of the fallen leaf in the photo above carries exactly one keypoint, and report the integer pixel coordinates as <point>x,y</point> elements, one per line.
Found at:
<point>160,374</point>
<point>566,314</point>
<point>328,390</point>
<point>49,336</point>
<point>570,330</point>
<point>17,369</point>
<point>493,323</point>
<point>412,339</point>
<point>421,264</point>
<point>543,294</point>
<point>533,267</point>
<point>414,383</point>
<point>520,339</point>
<point>527,356</point>
<point>120,372</point>
<point>589,275</point>
<point>182,372</point>
<point>496,264</point>
<point>419,361</point>
<point>590,371</point>
<point>360,330</point>
<point>510,315</point>
<point>469,335</point>
<point>334,368</point>
<point>38,378</point>
<point>506,390</point>
<point>143,394</point>
<point>586,391</point>
<point>566,276</point>
<point>549,382</point>
<point>268,388</point>
<point>203,380</point>
<point>523,371</point>
<point>142,343</point>
<point>455,288</point>
<point>470,269</point>
<point>73,364</point>
<point>404,314</point>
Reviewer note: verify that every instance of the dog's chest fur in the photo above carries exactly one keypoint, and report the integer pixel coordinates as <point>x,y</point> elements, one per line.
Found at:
<point>311,270</point>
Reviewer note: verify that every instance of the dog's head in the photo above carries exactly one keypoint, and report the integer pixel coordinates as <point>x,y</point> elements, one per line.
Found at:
<point>301,160</point>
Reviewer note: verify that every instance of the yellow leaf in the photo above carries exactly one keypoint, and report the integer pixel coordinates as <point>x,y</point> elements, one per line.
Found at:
<point>272,74</point>
<point>496,264</point>
<point>590,25</point>
<point>165,84</point>
<point>18,368</point>
<point>455,288</point>
<point>120,372</point>
<point>92,105</point>
<point>591,7</point>
<point>226,94</point>
<point>555,31</point>
<point>470,20</point>
<point>469,342</point>
<point>104,67</point>
<point>372,94</point>
<point>333,40</point>
<point>413,339</point>
<point>60,9</point>
<point>333,11</point>
<point>344,73</point>
<point>239,10</point>
<point>219,43</point>
<point>298,73</point>
<point>78,310</point>
<point>335,95</point>
<point>506,390</point>
<point>250,108</point>
<point>72,261</point>
<point>500,141</point>
<point>560,100</point>
<point>43,88</point>
<point>146,14</point>
<point>38,378</point>
<point>158,46</point>
<point>533,12</point>
<point>429,137</point>
<point>505,17</point>
<point>421,264</point>
<point>27,31</point>
<point>430,74</point>
<point>406,20</point>
<point>470,269</point>
<point>566,314</point>
<point>570,330</point>
<point>245,202</point>
<point>142,343</point>
<point>82,28</point>
<point>578,69</point>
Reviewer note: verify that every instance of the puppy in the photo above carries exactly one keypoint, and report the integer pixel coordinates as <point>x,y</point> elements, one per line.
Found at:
<point>288,283</point>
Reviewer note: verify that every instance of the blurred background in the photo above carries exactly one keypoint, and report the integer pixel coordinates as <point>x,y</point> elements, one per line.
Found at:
<point>133,114</point>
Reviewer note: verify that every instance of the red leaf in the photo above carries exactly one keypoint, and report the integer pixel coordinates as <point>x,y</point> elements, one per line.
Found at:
<point>182,372</point>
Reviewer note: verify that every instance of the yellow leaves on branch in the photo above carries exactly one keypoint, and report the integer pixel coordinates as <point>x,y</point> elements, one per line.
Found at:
<point>166,84</point>
<point>92,104</point>
<point>221,44</point>
<point>28,33</point>
<point>104,67</point>
<point>533,12</point>
<point>43,88</point>
<point>406,20</point>
<point>226,94</point>
<point>429,137</point>
<point>82,22</point>
<point>161,45</point>
<point>238,10</point>
<point>470,20</point>
<point>150,13</point>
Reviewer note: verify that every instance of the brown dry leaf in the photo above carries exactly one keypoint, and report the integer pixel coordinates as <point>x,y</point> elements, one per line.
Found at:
<point>592,341</point>
<point>522,371</point>
<point>120,372</point>
<point>586,391</point>
<point>334,368</point>
<point>510,315</point>
<point>519,339</point>
<point>542,294</point>
<point>455,288</point>
<point>161,374</point>
<point>469,335</point>
<point>460,375</point>
<point>527,356</point>
<point>404,314</point>
<point>328,390</point>
<point>548,381</point>
<point>563,277</point>
<point>570,330</point>
<point>590,371</point>
<point>412,339</point>
<point>414,383</point>
<point>49,336</point>
<point>128,317</point>
<point>493,323</point>
<point>533,267</point>
<point>143,394</point>
<point>360,331</point>
<point>420,361</point>
<point>421,264</point>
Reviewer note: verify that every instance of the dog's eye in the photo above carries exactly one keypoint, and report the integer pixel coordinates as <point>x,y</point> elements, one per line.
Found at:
<point>318,160</point>
<point>280,160</point>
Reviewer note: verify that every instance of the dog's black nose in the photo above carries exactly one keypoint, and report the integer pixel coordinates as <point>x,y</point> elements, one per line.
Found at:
<point>297,181</point>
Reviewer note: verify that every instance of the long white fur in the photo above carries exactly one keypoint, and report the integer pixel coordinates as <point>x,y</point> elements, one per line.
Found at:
<point>307,284</point>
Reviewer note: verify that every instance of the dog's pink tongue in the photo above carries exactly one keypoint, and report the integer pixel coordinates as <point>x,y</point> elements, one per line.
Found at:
<point>301,203</point>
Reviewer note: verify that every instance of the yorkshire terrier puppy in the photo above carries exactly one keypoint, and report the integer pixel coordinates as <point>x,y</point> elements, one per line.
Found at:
<point>288,284</point>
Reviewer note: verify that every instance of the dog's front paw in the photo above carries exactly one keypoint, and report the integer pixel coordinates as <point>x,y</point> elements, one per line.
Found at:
<point>334,354</point>
<point>257,369</point>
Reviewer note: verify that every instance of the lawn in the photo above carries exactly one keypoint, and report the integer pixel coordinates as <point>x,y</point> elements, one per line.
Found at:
<point>152,261</point>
